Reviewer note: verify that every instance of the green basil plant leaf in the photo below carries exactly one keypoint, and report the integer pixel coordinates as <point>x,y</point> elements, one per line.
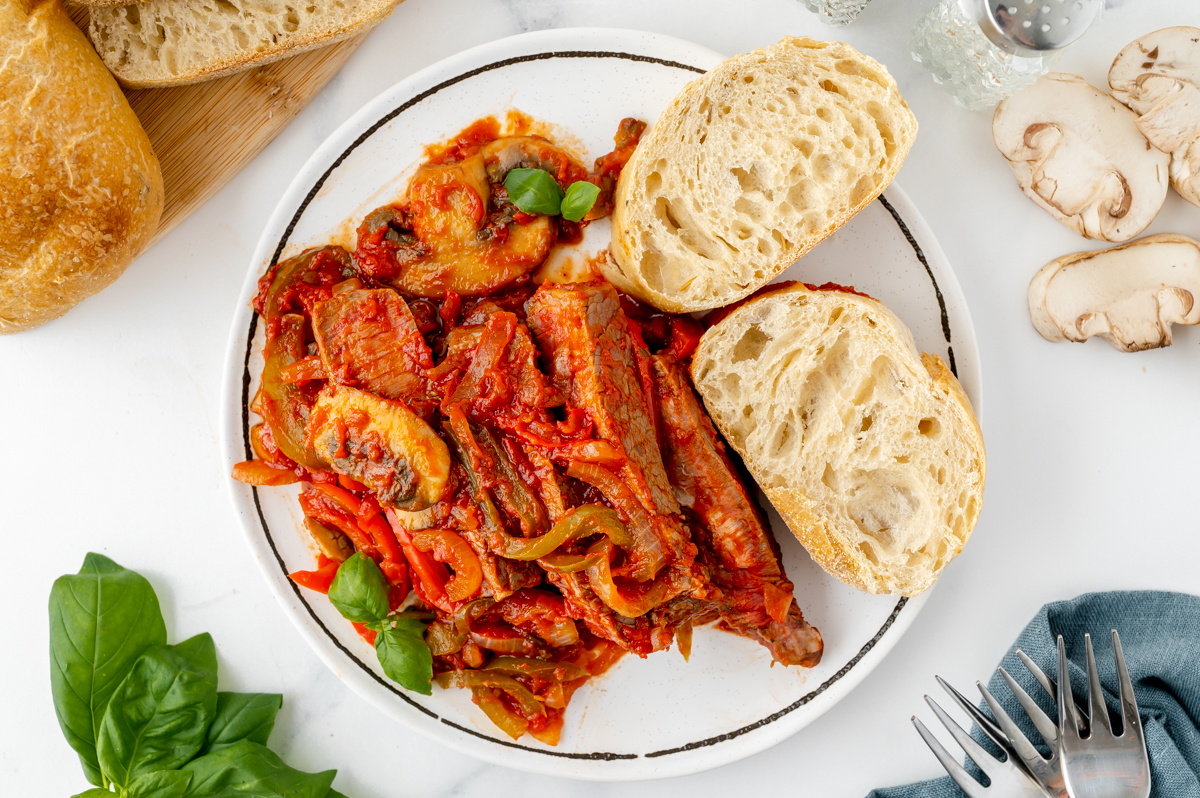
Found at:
<point>200,651</point>
<point>101,620</point>
<point>252,770</point>
<point>534,191</point>
<point>242,716</point>
<point>581,196</point>
<point>95,792</point>
<point>158,718</point>
<point>333,794</point>
<point>160,784</point>
<point>360,591</point>
<point>403,655</point>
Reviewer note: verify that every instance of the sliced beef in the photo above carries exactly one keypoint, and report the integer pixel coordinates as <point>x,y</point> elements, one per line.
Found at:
<point>743,562</point>
<point>594,360</point>
<point>368,339</point>
<point>706,481</point>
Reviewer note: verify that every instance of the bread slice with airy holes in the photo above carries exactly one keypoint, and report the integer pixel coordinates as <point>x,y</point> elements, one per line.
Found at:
<point>173,42</point>
<point>751,166</point>
<point>869,449</point>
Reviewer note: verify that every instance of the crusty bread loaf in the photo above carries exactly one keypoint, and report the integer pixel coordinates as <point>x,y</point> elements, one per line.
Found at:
<point>173,42</point>
<point>868,448</point>
<point>750,167</point>
<point>80,191</point>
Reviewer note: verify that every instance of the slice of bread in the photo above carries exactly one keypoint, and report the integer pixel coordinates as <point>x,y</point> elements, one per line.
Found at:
<point>173,42</point>
<point>869,449</point>
<point>750,167</point>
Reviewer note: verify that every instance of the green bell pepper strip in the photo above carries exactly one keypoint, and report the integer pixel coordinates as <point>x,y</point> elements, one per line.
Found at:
<point>511,490</point>
<point>559,563</point>
<point>281,403</point>
<point>540,668</point>
<point>520,693</point>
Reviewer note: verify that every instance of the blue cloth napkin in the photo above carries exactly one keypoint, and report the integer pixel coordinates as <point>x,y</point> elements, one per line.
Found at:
<point>1160,635</point>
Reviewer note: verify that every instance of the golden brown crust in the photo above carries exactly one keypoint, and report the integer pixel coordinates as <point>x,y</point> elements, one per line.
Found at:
<point>81,191</point>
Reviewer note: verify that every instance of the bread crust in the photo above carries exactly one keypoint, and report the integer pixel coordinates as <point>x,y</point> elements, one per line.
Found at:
<point>81,192</point>
<point>716,203</point>
<point>115,41</point>
<point>831,539</point>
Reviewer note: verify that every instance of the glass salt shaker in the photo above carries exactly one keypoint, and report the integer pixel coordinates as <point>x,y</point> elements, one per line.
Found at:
<point>836,12</point>
<point>981,51</point>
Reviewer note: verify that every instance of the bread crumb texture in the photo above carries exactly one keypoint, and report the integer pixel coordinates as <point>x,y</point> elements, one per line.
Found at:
<point>754,164</point>
<point>172,42</point>
<point>80,187</point>
<point>869,450</point>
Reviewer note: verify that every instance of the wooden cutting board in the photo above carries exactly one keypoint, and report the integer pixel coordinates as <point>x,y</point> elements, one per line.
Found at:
<point>205,133</point>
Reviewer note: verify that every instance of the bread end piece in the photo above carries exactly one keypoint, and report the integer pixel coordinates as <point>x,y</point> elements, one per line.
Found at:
<point>751,166</point>
<point>163,43</point>
<point>82,191</point>
<point>869,449</point>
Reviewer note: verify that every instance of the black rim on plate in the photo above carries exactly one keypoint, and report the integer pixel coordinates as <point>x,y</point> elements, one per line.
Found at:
<point>604,756</point>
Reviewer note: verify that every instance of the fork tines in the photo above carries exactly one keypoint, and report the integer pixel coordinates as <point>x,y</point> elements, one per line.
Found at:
<point>1101,764</point>
<point>1006,777</point>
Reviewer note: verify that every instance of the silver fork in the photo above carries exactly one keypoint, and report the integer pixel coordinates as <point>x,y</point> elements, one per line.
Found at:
<point>1007,778</point>
<point>1102,764</point>
<point>1045,770</point>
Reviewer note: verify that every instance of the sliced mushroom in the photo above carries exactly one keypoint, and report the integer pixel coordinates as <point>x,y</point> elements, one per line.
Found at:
<point>1078,153</point>
<point>1158,76</point>
<point>1128,295</point>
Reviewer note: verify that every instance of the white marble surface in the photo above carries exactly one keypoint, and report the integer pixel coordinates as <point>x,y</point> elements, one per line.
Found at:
<point>110,437</point>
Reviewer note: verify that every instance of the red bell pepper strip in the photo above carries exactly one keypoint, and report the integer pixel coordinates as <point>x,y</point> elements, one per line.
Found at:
<point>318,580</point>
<point>429,575</point>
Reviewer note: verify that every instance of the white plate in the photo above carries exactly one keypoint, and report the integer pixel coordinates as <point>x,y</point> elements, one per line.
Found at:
<point>646,718</point>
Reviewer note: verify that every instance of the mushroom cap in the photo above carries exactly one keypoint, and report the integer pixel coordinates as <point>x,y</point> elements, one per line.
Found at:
<point>1078,153</point>
<point>1128,295</point>
<point>1158,76</point>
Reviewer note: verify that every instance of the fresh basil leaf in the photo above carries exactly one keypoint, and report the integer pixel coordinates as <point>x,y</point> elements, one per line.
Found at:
<point>404,656</point>
<point>580,197</point>
<point>242,716</point>
<point>101,620</point>
<point>534,191</point>
<point>95,792</point>
<point>199,650</point>
<point>359,591</point>
<point>160,784</point>
<point>252,770</point>
<point>158,718</point>
<point>333,794</point>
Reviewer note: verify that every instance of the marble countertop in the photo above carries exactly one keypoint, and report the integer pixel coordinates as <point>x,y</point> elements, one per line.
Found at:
<point>111,442</point>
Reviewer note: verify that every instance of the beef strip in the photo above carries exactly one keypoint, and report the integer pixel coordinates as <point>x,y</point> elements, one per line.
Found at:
<point>602,367</point>
<point>735,541</point>
<point>705,479</point>
<point>369,339</point>
<point>594,360</point>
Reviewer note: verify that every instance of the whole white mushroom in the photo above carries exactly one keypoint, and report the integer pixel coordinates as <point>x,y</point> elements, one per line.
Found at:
<point>1078,153</point>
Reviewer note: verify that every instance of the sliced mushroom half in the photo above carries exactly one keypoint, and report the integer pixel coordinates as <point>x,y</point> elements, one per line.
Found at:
<point>1078,153</point>
<point>1158,76</point>
<point>1128,295</point>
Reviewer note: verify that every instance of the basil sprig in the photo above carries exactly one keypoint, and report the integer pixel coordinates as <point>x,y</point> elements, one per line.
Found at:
<point>536,191</point>
<point>146,718</point>
<point>360,594</point>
